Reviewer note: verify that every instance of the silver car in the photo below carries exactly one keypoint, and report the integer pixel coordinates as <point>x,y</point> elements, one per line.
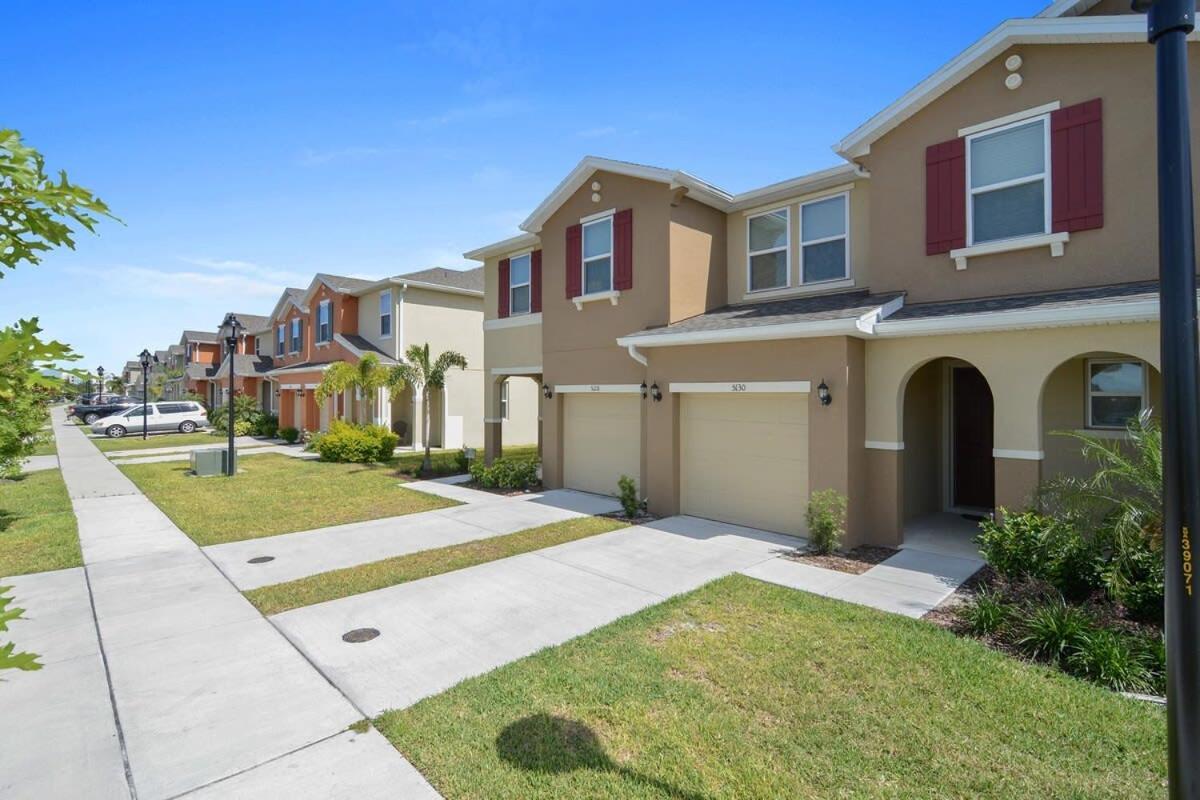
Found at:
<point>184,416</point>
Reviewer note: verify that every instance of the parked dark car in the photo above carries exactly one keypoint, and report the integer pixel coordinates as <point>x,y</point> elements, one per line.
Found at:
<point>104,406</point>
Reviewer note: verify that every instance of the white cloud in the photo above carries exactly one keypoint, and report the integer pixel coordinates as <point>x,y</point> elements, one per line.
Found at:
<point>232,287</point>
<point>489,109</point>
<point>313,158</point>
<point>245,268</point>
<point>596,133</point>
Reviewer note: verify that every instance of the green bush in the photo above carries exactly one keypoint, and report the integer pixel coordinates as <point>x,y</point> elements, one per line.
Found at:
<point>1052,632</point>
<point>265,425</point>
<point>1141,586</point>
<point>1034,545</point>
<point>289,434</point>
<point>1112,659</point>
<point>987,614</point>
<point>826,519</point>
<point>461,462</point>
<point>359,444</point>
<point>627,492</point>
<point>245,414</point>
<point>505,473</point>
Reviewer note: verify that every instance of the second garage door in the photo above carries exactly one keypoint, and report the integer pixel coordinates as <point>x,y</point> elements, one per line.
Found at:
<point>744,459</point>
<point>602,441</point>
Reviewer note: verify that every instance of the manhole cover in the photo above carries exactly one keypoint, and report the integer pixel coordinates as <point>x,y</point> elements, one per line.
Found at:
<point>261,559</point>
<point>360,635</point>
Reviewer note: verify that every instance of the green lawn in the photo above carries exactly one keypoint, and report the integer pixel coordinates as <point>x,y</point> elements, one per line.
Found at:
<point>389,572</point>
<point>37,525</point>
<point>134,441</point>
<point>445,461</point>
<point>274,494</point>
<point>45,445</point>
<point>743,689</point>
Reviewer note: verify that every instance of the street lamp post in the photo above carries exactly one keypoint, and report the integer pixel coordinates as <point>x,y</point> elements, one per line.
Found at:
<point>100,381</point>
<point>1170,22</point>
<point>144,358</point>
<point>230,329</point>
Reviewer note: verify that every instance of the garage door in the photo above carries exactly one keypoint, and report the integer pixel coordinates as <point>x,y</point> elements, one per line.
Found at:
<point>744,459</point>
<point>601,441</point>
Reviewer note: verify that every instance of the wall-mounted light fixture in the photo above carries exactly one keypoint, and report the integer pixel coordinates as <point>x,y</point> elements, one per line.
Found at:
<point>643,387</point>
<point>656,393</point>
<point>547,392</point>
<point>823,394</point>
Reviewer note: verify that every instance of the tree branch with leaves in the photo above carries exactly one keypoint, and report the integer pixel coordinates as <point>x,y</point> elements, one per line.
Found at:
<point>423,374</point>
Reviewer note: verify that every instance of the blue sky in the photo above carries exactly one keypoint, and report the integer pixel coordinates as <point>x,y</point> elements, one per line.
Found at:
<point>246,145</point>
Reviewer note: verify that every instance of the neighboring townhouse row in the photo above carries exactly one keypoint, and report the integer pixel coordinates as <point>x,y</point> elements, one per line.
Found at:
<point>911,328</point>
<point>281,357</point>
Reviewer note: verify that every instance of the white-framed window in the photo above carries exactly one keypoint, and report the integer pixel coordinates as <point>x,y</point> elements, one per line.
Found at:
<point>1008,181</point>
<point>519,284</point>
<point>296,323</point>
<point>597,255</point>
<point>325,321</point>
<point>258,345</point>
<point>385,313</point>
<point>279,340</point>
<point>1116,391</point>
<point>825,239</point>
<point>504,400</point>
<point>768,254</point>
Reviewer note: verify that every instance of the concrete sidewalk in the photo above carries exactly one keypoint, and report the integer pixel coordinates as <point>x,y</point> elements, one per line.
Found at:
<point>206,689</point>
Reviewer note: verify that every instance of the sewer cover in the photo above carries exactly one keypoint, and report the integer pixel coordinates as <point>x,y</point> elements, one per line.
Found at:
<point>261,559</point>
<point>360,635</point>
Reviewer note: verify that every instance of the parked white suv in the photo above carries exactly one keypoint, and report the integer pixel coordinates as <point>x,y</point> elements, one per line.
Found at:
<point>183,416</point>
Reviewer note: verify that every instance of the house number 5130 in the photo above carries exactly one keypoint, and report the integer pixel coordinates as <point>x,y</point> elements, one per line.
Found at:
<point>737,387</point>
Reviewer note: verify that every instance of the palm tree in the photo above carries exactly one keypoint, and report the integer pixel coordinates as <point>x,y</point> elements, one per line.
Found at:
<point>417,371</point>
<point>367,376</point>
<point>116,385</point>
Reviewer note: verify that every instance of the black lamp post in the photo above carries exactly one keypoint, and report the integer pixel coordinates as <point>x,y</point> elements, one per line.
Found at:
<point>230,329</point>
<point>1170,22</point>
<point>144,358</point>
<point>100,381</point>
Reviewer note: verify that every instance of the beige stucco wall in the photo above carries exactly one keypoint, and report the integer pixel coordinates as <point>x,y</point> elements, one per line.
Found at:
<point>698,254</point>
<point>1123,250</point>
<point>860,244</point>
<point>368,321</point>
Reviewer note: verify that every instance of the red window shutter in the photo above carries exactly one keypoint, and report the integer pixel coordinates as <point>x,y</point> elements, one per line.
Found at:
<point>535,281</point>
<point>504,264</point>
<point>623,250</point>
<point>1077,167</point>
<point>945,196</point>
<point>574,261</point>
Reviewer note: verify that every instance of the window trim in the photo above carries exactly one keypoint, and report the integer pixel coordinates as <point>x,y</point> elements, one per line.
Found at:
<point>1044,176</point>
<point>386,293</point>
<point>845,276</point>
<point>526,255</point>
<point>322,307</point>
<point>1089,393</point>
<point>294,336</point>
<point>281,339</point>
<point>786,248</point>
<point>584,259</point>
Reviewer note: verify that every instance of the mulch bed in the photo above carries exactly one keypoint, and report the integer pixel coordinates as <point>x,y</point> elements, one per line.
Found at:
<point>945,614</point>
<point>502,492</point>
<point>855,562</point>
<point>640,519</point>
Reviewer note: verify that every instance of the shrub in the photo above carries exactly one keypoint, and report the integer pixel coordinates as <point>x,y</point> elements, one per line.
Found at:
<point>505,473</point>
<point>826,519</point>
<point>245,413</point>
<point>1112,659</point>
<point>627,492</point>
<point>1034,545</point>
<point>987,614</point>
<point>265,425</point>
<point>289,434</point>
<point>1053,631</point>
<point>461,462</point>
<point>1141,586</point>
<point>358,444</point>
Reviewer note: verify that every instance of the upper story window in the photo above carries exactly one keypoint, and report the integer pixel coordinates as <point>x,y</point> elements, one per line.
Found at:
<point>258,345</point>
<point>1008,182</point>
<point>768,255</point>
<point>385,313</point>
<point>597,256</point>
<point>825,239</point>
<point>191,353</point>
<point>1116,392</point>
<point>279,339</point>
<point>296,327</point>
<point>324,321</point>
<point>519,284</point>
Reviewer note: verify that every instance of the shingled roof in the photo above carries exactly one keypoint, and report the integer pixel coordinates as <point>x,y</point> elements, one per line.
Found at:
<point>469,279</point>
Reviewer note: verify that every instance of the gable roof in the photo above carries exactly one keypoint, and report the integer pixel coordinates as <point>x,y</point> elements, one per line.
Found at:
<point>207,337</point>
<point>342,284</point>
<point>1039,30</point>
<point>253,323</point>
<point>470,279</point>
<point>292,296</point>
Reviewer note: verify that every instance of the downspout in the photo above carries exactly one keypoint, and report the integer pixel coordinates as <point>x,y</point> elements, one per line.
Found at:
<point>636,355</point>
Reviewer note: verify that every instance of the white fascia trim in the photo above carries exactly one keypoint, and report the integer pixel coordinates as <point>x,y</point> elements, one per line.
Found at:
<point>1028,113</point>
<point>1019,455</point>
<point>878,445</point>
<point>867,322</point>
<point>504,247</point>
<point>517,370</point>
<point>1055,241</point>
<point>1068,8</point>
<point>519,321</point>
<point>598,388</point>
<point>1040,30</point>
<point>747,387</point>
<point>801,194</point>
<point>1099,314</point>
<point>404,283</point>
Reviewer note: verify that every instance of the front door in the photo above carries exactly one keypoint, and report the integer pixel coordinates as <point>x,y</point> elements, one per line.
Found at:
<point>973,470</point>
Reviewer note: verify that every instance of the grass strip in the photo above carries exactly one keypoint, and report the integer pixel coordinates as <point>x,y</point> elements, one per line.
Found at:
<point>38,531</point>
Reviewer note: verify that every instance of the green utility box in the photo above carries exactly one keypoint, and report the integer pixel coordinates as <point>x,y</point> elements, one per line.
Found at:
<point>206,463</point>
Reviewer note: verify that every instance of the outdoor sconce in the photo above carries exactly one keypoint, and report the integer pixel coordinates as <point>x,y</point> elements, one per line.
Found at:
<point>300,392</point>
<point>643,387</point>
<point>277,393</point>
<point>656,393</point>
<point>823,394</point>
<point>547,392</point>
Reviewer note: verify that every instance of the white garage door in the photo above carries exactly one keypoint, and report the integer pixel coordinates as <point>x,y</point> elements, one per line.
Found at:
<point>601,441</point>
<point>744,459</point>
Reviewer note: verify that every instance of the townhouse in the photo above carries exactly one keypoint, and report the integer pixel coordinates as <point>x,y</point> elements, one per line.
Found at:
<point>911,328</point>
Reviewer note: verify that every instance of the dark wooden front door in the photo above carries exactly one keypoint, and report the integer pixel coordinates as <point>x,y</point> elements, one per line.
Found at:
<point>973,471</point>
